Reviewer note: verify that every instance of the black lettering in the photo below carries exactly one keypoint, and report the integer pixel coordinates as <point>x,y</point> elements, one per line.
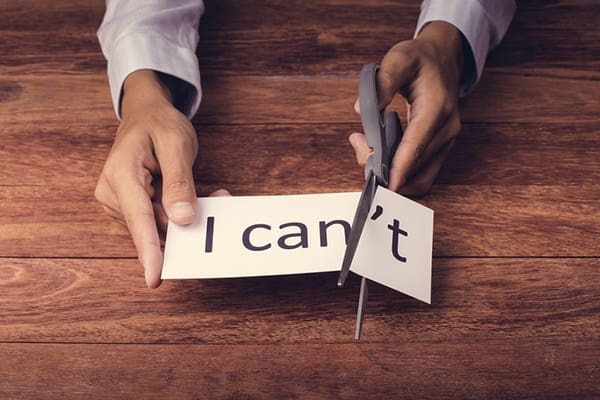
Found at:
<point>246,237</point>
<point>323,230</point>
<point>377,213</point>
<point>396,231</point>
<point>210,232</point>
<point>303,235</point>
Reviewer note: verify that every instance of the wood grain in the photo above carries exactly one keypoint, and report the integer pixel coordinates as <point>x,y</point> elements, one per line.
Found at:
<point>516,305</point>
<point>536,369</point>
<point>472,221</point>
<point>299,99</point>
<point>105,301</point>
<point>511,154</point>
<point>299,38</point>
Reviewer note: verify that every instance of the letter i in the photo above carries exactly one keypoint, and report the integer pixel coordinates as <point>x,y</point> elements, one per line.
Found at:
<point>210,232</point>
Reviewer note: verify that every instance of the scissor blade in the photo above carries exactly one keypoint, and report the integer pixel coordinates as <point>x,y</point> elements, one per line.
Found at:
<point>362,306</point>
<point>360,218</point>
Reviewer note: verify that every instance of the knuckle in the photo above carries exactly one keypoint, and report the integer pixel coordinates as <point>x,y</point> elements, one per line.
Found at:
<point>420,149</point>
<point>447,105</point>
<point>416,147</point>
<point>99,194</point>
<point>101,191</point>
<point>177,183</point>
<point>178,141</point>
<point>400,53</point>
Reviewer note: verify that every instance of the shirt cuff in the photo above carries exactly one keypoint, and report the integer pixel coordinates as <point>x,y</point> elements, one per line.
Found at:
<point>470,18</point>
<point>148,50</point>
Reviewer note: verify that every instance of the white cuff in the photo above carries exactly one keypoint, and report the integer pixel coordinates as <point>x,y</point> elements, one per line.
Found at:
<point>469,17</point>
<point>149,50</point>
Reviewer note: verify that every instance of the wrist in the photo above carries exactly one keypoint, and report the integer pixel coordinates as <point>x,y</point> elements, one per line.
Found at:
<point>446,43</point>
<point>142,88</point>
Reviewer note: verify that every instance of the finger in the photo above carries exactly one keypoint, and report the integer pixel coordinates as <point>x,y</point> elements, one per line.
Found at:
<point>422,126</point>
<point>357,106</point>
<point>443,136</point>
<point>138,213</point>
<point>161,219</point>
<point>148,180</point>
<point>104,192</point>
<point>395,71</point>
<point>220,193</point>
<point>420,184</point>
<point>361,148</point>
<point>178,191</point>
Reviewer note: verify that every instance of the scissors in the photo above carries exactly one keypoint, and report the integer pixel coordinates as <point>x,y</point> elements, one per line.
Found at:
<point>383,132</point>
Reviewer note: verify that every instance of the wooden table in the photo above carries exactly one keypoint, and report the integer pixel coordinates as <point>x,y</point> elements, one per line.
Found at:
<point>516,269</point>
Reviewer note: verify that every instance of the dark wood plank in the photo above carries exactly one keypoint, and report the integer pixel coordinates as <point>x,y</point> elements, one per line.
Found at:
<point>63,15</point>
<point>297,99</point>
<point>105,301</point>
<point>514,154</point>
<point>495,369</point>
<point>67,52</point>
<point>521,182</point>
<point>510,154</point>
<point>53,97</point>
<point>296,38</point>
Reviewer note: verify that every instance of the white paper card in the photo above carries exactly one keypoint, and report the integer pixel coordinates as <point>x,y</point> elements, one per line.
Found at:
<point>395,248</point>
<point>261,235</point>
<point>281,235</point>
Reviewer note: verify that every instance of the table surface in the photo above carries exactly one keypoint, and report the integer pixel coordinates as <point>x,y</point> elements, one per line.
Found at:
<point>515,308</point>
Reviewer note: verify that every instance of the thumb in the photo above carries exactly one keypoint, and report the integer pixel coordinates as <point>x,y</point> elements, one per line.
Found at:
<point>179,193</point>
<point>397,69</point>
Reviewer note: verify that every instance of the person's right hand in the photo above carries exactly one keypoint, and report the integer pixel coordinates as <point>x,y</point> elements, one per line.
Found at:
<point>147,178</point>
<point>427,72</point>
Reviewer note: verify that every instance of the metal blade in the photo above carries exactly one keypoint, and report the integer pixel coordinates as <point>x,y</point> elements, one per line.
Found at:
<point>362,306</point>
<point>360,218</point>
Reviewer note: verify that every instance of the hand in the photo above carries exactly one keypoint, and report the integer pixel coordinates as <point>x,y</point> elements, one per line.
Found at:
<point>147,178</point>
<point>426,71</point>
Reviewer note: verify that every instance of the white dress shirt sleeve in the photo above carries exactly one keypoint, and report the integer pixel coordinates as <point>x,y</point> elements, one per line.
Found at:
<point>161,35</point>
<point>483,23</point>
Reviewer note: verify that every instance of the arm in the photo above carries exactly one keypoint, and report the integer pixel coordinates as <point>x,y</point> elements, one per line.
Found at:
<point>154,78</point>
<point>445,59</point>
<point>483,24</point>
<point>159,35</point>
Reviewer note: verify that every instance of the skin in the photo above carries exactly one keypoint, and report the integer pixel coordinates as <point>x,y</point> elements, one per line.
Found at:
<point>147,177</point>
<point>426,72</point>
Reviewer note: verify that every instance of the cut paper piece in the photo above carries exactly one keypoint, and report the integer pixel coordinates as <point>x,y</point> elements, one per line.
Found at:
<point>395,248</point>
<point>260,236</point>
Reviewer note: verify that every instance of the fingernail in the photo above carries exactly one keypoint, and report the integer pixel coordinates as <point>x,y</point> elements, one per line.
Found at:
<point>352,140</point>
<point>180,211</point>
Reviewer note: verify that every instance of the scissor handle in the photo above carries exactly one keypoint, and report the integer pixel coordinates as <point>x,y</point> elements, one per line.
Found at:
<point>382,129</point>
